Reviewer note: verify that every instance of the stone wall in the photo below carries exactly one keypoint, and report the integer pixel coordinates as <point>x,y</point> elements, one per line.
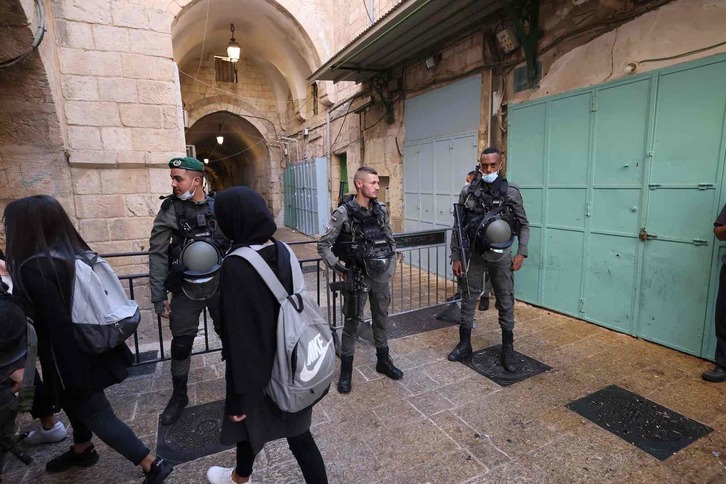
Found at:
<point>32,156</point>
<point>669,31</point>
<point>121,97</point>
<point>252,88</point>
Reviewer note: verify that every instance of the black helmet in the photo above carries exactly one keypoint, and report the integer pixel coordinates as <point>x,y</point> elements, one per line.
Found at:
<point>201,261</point>
<point>494,233</point>
<point>380,268</point>
<point>379,260</point>
<point>499,234</point>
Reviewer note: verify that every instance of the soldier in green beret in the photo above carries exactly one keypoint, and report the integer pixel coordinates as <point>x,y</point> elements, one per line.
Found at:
<point>185,254</point>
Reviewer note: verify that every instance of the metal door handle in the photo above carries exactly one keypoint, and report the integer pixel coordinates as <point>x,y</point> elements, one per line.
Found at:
<point>643,235</point>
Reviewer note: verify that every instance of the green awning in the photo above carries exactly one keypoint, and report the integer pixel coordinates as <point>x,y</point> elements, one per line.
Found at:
<point>410,29</point>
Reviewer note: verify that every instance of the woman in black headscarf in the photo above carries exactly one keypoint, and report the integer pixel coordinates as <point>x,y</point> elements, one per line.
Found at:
<point>248,312</point>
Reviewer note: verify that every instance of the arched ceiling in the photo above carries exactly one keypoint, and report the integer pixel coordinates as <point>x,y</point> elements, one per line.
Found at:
<point>269,36</point>
<point>240,157</point>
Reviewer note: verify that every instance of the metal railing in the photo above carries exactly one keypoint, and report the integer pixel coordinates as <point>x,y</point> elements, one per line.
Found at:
<point>422,279</point>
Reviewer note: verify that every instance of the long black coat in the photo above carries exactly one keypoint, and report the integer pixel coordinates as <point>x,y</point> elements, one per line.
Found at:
<point>248,313</point>
<point>67,369</point>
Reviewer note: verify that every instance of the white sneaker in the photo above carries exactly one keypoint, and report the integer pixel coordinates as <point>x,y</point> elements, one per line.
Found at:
<point>51,436</point>
<point>222,475</point>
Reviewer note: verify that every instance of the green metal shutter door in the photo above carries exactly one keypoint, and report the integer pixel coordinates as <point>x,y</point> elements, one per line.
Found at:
<point>566,182</point>
<point>525,166</point>
<point>620,136</point>
<point>682,204</point>
<point>306,195</point>
<point>598,165</point>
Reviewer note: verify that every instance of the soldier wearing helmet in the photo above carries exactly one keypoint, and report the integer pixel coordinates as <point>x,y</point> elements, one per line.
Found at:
<point>359,235</point>
<point>493,215</point>
<point>185,254</point>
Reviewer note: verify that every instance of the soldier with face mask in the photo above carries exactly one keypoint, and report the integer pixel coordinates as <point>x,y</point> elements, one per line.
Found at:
<point>493,214</point>
<point>359,236</point>
<point>185,254</point>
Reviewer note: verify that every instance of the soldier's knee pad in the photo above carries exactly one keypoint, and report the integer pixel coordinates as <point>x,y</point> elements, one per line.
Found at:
<point>181,347</point>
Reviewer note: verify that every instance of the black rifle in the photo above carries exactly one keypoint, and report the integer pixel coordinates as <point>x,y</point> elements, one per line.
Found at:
<point>353,281</point>
<point>354,284</point>
<point>463,243</point>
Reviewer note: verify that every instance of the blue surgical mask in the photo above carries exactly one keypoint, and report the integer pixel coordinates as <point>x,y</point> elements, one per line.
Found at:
<point>490,177</point>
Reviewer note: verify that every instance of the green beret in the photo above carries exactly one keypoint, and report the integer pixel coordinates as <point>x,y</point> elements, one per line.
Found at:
<point>187,163</point>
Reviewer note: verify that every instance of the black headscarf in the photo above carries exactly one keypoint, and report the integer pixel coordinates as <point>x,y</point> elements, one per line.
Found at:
<point>243,216</point>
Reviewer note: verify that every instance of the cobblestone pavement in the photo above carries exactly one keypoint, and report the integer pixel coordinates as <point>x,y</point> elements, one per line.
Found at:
<point>446,423</point>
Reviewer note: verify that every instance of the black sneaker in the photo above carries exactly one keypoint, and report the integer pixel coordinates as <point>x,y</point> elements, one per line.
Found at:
<point>160,470</point>
<point>69,459</point>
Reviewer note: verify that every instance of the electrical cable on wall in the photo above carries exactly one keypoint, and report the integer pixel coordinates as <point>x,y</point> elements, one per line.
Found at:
<point>683,54</point>
<point>204,40</point>
<point>237,95</point>
<point>243,151</point>
<point>342,124</point>
<point>370,17</point>
<point>604,24</point>
<point>39,34</point>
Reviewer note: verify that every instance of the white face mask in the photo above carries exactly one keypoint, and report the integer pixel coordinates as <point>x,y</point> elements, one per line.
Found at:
<point>188,194</point>
<point>490,177</point>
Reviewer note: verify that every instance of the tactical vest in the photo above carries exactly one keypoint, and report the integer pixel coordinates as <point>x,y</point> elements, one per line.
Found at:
<point>483,203</point>
<point>367,235</point>
<point>193,224</point>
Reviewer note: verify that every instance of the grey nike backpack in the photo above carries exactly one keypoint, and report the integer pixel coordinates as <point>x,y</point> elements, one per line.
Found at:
<point>103,316</point>
<point>305,356</point>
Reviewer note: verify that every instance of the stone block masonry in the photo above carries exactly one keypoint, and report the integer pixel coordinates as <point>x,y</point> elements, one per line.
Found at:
<point>117,73</point>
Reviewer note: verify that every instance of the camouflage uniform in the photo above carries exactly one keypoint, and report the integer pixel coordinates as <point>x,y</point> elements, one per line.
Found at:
<point>184,311</point>
<point>498,265</point>
<point>378,294</point>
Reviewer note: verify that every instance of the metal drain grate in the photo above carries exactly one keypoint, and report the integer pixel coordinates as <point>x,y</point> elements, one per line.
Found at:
<point>194,435</point>
<point>653,428</point>
<point>417,322</point>
<point>407,324</point>
<point>487,362</point>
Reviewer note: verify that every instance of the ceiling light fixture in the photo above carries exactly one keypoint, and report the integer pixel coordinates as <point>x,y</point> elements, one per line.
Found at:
<point>220,138</point>
<point>233,48</point>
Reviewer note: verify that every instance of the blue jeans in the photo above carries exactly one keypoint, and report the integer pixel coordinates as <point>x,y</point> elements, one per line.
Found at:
<point>92,414</point>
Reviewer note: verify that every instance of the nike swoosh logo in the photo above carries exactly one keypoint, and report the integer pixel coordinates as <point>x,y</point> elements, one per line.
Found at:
<point>307,375</point>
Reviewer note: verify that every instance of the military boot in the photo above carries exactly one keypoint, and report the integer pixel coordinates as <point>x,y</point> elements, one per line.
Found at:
<point>463,349</point>
<point>346,374</point>
<point>508,358</point>
<point>717,375</point>
<point>177,402</point>
<point>385,365</point>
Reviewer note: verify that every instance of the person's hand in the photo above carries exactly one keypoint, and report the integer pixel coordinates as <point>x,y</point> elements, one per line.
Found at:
<point>166,313</point>
<point>341,270</point>
<point>17,378</point>
<point>517,262</point>
<point>237,418</point>
<point>457,268</point>
<point>162,308</point>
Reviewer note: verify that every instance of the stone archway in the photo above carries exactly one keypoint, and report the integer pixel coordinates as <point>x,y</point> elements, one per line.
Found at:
<point>208,105</point>
<point>281,67</point>
<point>248,155</point>
<point>32,156</point>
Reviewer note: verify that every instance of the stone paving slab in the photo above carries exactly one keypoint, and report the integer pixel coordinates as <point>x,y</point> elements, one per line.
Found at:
<point>446,423</point>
